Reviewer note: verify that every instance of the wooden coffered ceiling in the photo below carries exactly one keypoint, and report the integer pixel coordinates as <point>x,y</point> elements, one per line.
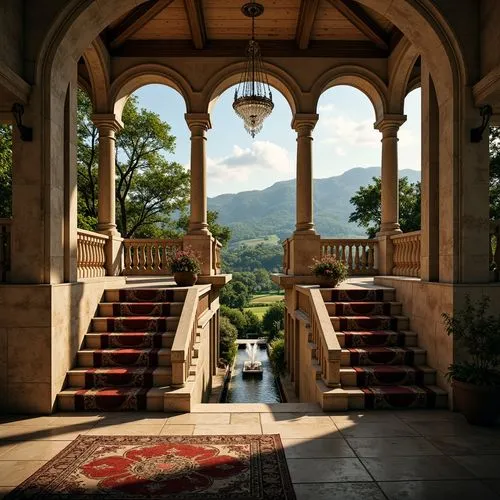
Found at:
<point>334,28</point>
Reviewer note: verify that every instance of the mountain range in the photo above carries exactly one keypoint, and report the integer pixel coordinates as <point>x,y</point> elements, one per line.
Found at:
<point>260,213</point>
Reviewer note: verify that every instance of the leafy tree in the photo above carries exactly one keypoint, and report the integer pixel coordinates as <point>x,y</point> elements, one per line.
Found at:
<point>236,316</point>
<point>5,170</point>
<point>149,188</point>
<point>228,336</point>
<point>277,354</point>
<point>367,201</point>
<point>250,258</point>
<point>253,323</point>
<point>235,294</point>
<point>495,173</point>
<point>220,232</point>
<point>274,320</point>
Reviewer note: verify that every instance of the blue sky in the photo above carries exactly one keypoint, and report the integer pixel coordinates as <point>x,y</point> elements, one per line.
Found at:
<point>344,138</point>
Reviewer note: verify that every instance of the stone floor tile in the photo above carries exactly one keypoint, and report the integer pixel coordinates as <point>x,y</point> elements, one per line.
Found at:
<point>16,471</point>
<point>453,428</point>
<point>200,418</point>
<point>5,447</point>
<point>430,415</point>
<point>131,418</point>
<point>245,418</point>
<point>316,448</point>
<point>297,431</point>
<point>415,468</point>
<point>126,430</point>
<point>483,466</point>
<point>230,429</point>
<point>35,450</point>
<point>376,429</point>
<point>295,418</point>
<point>359,416</point>
<point>338,491</point>
<point>4,490</point>
<point>393,446</point>
<point>177,430</point>
<point>466,444</point>
<point>29,433</point>
<point>327,470</point>
<point>437,490</point>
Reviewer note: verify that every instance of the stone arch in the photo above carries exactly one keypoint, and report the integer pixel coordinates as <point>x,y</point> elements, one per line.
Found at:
<point>97,61</point>
<point>406,56</point>
<point>231,74</point>
<point>145,74</point>
<point>358,77</point>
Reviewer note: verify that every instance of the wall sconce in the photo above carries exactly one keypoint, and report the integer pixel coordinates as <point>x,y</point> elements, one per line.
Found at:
<point>476,134</point>
<point>26,133</point>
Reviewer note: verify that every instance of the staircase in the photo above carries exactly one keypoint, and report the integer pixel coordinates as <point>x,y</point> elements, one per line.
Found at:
<point>125,360</point>
<point>381,363</point>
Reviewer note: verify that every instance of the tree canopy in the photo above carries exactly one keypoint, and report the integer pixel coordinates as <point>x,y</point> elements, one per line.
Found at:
<point>5,170</point>
<point>367,204</point>
<point>495,173</point>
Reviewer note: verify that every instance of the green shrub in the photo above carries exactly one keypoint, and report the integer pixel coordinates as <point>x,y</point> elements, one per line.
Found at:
<point>236,316</point>
<point>228,336</point>
<point>277,354</point>
<point>274,320</point>
<point>253,323</point>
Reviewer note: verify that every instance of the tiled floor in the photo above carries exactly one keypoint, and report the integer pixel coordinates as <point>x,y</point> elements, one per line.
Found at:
<point>428,455</point>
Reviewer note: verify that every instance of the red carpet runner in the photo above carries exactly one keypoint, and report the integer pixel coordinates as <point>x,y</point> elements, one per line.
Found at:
<point>164,467</point>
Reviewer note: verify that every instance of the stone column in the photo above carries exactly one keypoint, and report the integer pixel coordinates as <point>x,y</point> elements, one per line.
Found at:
<point>199,237</point>
<point>389,126</point>
<point>304,124</point>
<point>198,123</point>
<point>108,126</point>
<point>305,243</point>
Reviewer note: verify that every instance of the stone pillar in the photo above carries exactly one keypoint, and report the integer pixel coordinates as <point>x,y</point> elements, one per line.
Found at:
<point>108,126</point>
<point>389,126</point>
<point>199,237</point>
<point>304,124</point>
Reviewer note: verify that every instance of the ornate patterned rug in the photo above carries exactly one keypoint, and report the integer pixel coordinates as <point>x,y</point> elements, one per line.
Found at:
<point>163,467</point>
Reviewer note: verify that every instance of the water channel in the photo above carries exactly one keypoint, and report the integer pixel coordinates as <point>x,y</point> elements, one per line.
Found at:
<point>252,389</point>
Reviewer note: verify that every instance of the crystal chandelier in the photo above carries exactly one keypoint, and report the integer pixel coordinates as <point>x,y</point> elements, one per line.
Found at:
<point>253,101</point>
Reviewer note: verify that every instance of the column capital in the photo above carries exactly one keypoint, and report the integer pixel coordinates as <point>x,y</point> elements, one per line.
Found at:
<point>201,120</point>
<point>389,124</point>
<point>107,120</point>
<point>304,123</point>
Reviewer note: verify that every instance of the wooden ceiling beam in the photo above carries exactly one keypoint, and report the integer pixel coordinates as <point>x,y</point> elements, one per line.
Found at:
<point>136,19</point>
<point>357,16</point>
<point>307,15</point>
<point>236,48</point>
<point>194,12</point>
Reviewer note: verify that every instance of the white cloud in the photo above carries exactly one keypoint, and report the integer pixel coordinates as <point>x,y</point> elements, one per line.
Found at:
<point>263,159</point>
<point>347,132</point>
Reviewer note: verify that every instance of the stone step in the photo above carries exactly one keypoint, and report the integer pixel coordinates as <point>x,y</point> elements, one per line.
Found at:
<point>120,377</point>
<point>111,309</point>
<point>385,375</point>
<point>362,323</point>
<point>365,356</point>
<point>112,399</point>
<point>135,324</point>
<point>364,308</point>
<point>134,340</point>
<point>379,338</point>
<point>145,295</point>
<point>97,358</point>
<point>358,294</point>
<point>396,397</point>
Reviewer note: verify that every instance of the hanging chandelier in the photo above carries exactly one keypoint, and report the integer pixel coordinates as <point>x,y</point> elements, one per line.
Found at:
<point>253,101</point>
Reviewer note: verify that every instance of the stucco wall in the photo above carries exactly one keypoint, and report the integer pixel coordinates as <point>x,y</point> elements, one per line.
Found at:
<point>11,34</point>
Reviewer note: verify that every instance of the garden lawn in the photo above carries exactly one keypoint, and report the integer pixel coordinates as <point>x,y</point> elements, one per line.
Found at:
<point>258,311</point>
<point>266,299</point>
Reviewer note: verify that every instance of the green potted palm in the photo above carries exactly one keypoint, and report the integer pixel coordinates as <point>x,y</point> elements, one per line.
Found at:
<point>476,379</point>
<point>330,270</point>
<point>185,266</point>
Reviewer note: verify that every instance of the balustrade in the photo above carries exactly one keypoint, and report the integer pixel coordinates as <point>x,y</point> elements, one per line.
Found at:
<point>5,225</point>
<point>91,254</point>
<point>359,255</point>
<point>149,256</point>
<point>406,254</point>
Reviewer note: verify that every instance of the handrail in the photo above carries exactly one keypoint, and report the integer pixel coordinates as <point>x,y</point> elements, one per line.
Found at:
<point>5,248</point>
<point>91,254</point>
<point>359,255</point>
<point>149,256</point>
<point>406,254</point>
<point>185,335</point>
<point>494,244</point>
<point>328,350</point>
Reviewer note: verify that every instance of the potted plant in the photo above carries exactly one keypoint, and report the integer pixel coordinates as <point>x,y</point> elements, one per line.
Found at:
<point>476,380</point>
<point>330,270</point>
<point>185,265</point>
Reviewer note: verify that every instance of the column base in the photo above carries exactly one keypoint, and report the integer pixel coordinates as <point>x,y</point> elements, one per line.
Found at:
<point>304,247</point>
<point>201,244</point>
<point>108,229</point>
<point>305,228</point>
<point>199,228</point>
<point>389,228</point>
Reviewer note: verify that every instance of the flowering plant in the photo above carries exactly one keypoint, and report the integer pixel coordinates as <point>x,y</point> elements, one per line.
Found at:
<point>330,267</point>
<point>185,261</point>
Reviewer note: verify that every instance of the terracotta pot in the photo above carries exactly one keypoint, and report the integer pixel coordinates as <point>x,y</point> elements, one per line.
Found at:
<point>480,405</point>
<point>325,282</point>
<point>185,278</point>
